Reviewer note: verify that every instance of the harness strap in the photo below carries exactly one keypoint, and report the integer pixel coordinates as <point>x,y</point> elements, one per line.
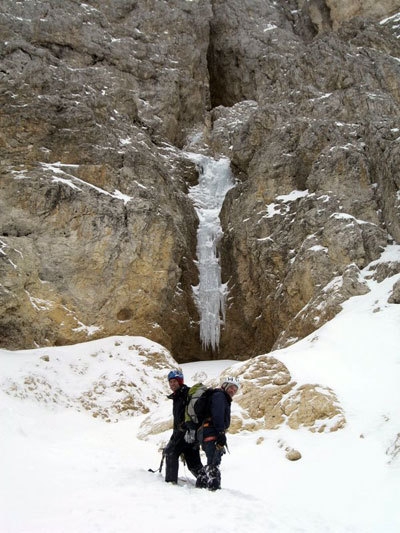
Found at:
<point>207,423</point>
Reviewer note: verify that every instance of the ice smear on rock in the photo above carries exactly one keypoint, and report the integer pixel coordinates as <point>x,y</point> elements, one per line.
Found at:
<point>215,180</point>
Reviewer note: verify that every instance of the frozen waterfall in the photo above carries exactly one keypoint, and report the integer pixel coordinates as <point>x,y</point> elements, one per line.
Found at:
<point>215,180</point>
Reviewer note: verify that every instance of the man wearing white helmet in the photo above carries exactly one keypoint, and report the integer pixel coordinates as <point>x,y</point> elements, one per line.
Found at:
<point>213,437</point>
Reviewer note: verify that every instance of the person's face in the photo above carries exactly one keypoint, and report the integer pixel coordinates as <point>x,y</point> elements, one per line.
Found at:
<point>174,384</point>
<point>231,390</point>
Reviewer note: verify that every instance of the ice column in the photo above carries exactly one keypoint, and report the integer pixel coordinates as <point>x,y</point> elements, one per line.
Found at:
<point>215,180</point>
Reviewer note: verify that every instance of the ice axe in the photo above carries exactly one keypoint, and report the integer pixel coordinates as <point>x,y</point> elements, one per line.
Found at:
<point>161,464</point>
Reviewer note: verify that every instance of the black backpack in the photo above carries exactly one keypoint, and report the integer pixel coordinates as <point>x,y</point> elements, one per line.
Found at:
<point>198,404</point>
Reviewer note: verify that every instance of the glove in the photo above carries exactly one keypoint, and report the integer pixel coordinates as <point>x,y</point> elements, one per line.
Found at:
<point>187,426</point>
<point>221,440</point>
<point>190,436</point>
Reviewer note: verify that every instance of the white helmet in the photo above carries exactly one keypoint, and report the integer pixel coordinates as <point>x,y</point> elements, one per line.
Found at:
<point>230,381</point>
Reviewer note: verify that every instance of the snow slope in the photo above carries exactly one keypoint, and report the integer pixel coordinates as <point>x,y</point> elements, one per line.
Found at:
<point>64,471</point>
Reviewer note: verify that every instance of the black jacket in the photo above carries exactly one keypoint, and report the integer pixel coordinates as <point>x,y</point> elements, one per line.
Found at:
<point>220,409</point>
<point>179,398</point>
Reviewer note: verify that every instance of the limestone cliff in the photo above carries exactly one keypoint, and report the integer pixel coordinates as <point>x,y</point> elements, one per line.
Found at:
<point>100,100</point>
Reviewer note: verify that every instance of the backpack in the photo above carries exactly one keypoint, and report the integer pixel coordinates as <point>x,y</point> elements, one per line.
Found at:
<point>198,404</point>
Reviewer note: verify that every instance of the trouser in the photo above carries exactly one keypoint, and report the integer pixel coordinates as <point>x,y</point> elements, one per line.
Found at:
<point>191,454</point>
<point>213,453</point>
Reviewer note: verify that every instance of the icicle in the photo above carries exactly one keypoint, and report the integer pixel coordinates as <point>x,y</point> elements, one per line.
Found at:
<point>215,180</point>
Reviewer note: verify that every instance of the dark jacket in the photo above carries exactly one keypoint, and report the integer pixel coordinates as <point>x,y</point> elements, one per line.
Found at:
<point>220,411</point>
<point>179,399</point>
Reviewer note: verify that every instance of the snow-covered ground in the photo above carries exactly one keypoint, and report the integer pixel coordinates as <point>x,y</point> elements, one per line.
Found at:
<point>64,471</point>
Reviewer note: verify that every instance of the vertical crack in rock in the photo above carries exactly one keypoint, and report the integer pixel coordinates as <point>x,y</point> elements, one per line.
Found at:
<point>222,61</point>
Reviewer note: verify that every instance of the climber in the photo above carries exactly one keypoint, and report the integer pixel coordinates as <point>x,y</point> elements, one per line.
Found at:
<point>212,433</point>
<point>177,445</point>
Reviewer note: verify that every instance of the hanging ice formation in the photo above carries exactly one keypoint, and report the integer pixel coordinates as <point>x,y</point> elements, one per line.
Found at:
<point>215,180</point>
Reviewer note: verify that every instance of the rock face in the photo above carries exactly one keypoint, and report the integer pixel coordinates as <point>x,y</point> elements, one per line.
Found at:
<point>100,100</point>
<point>103,242</point>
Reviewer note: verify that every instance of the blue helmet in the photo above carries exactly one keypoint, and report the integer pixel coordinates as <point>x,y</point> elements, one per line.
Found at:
<point>175,374</point>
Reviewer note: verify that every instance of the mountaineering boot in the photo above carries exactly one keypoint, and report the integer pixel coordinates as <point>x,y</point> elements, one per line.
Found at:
<point>209,477</point>
<point>213,477</point>
<point>201,481</point>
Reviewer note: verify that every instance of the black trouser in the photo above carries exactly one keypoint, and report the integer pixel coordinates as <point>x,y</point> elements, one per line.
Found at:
<point>213,453</point>
<point>191,454</point>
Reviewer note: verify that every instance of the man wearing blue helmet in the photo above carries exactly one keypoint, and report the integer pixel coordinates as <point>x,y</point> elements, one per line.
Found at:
<point>177,444</point>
